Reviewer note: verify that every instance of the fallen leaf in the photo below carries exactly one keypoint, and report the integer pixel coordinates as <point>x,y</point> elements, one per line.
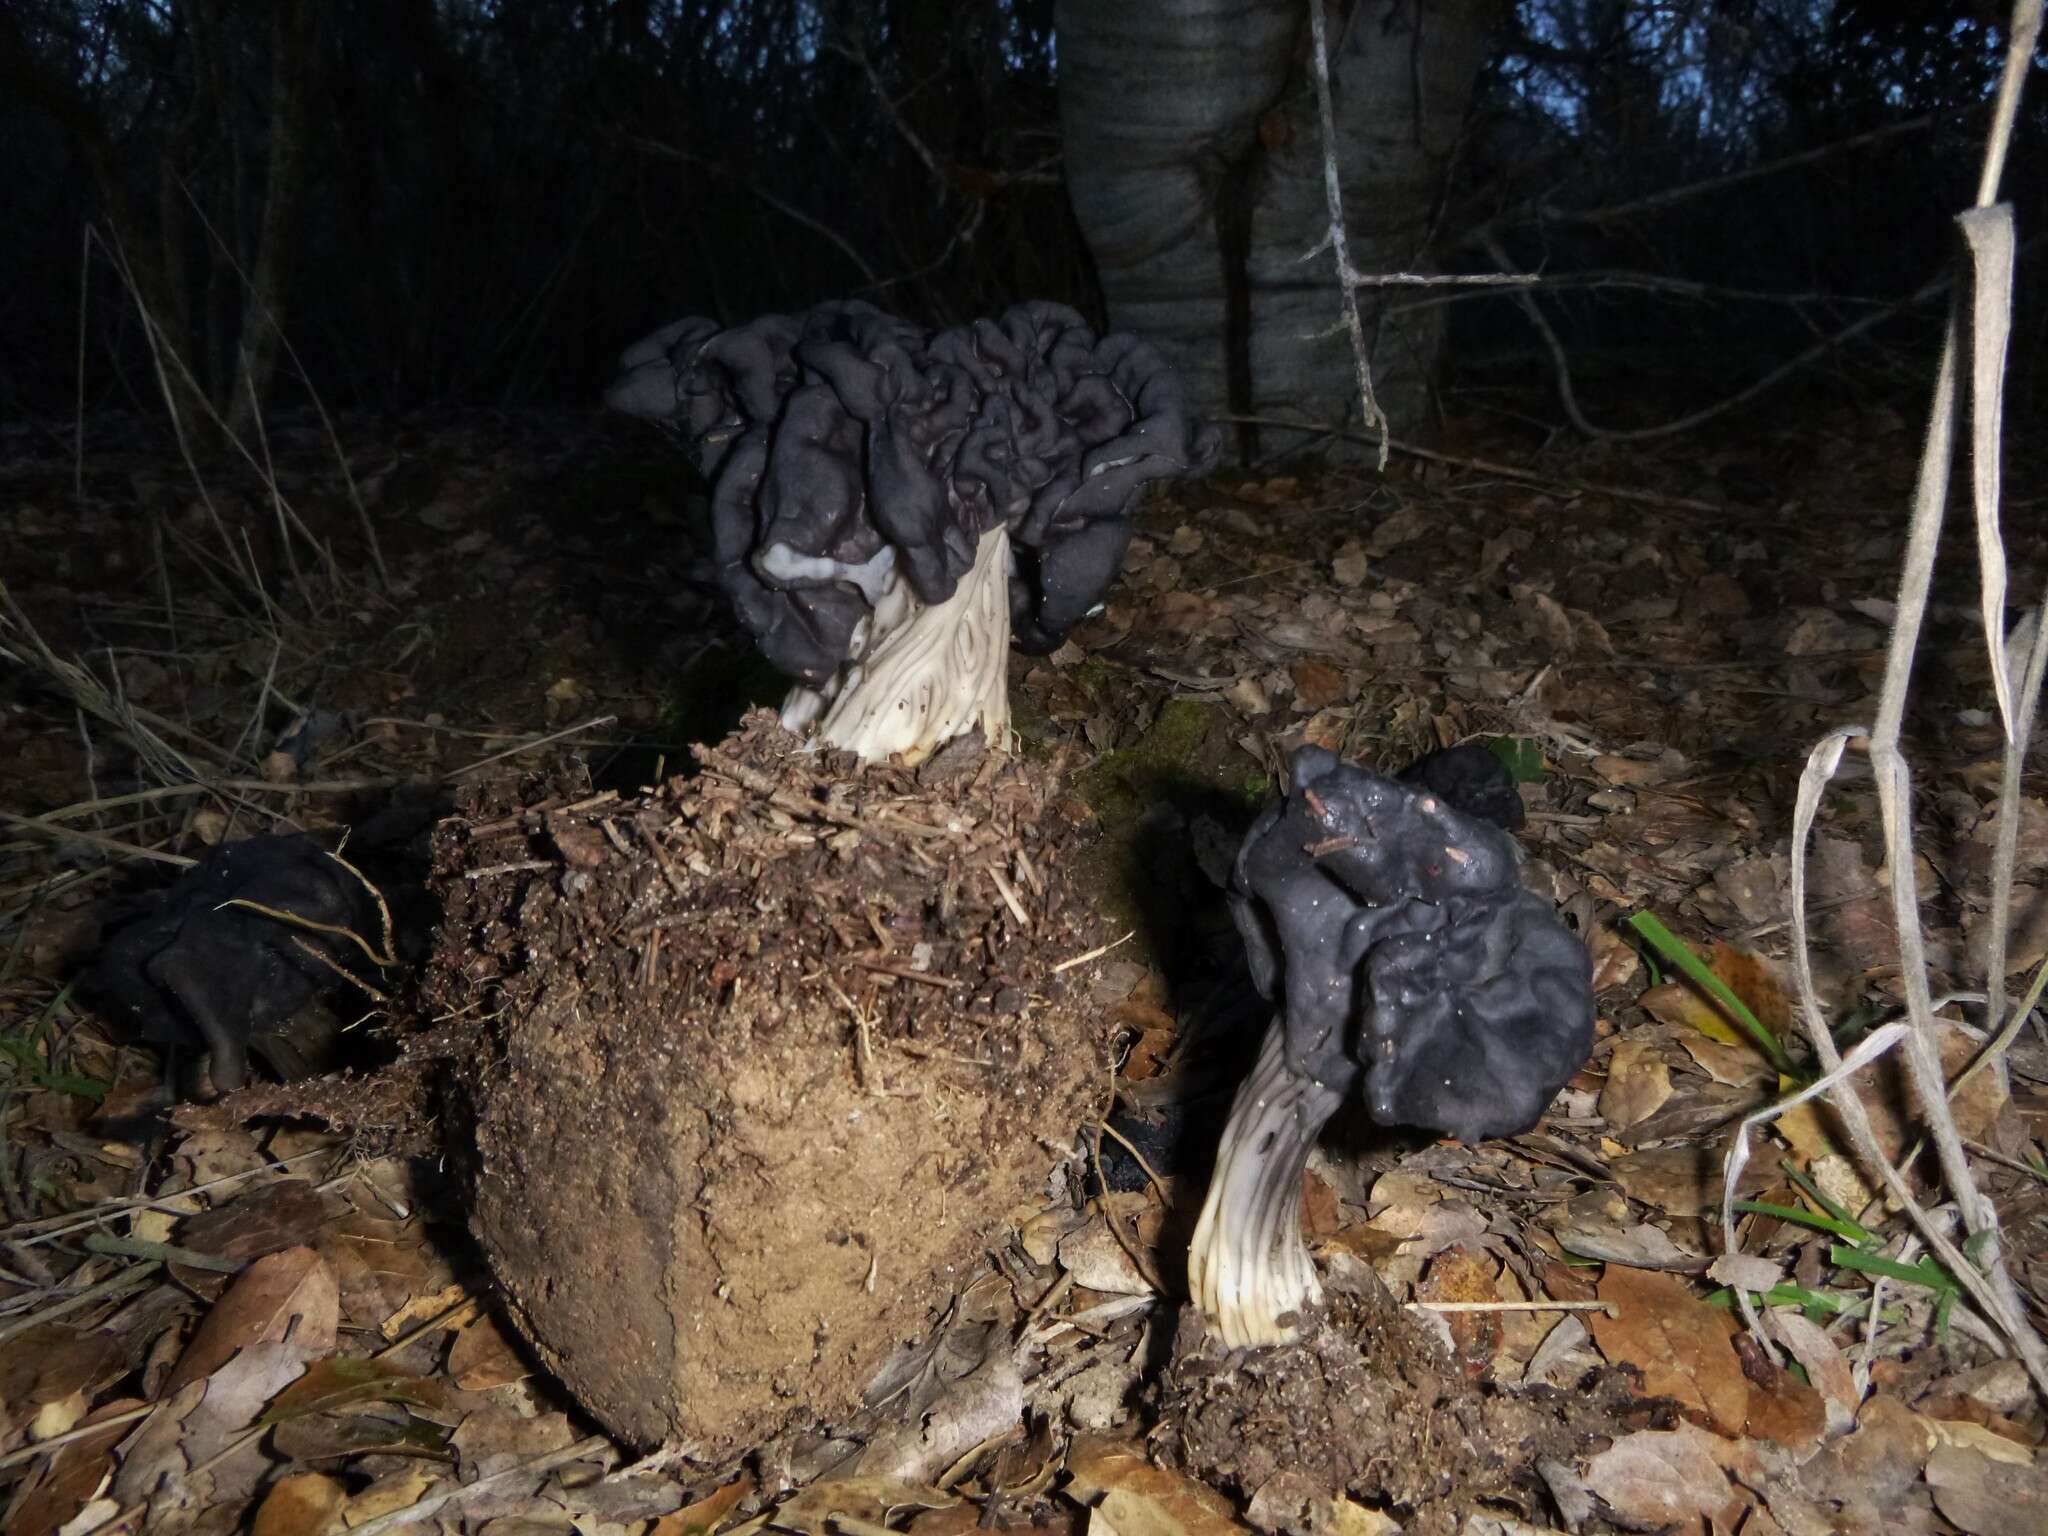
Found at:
<point>1101,1261</point>
<point>1130,1496</point>
<point>1678,1005</point>
<point>1823,1362</point>
<point>706,1515</point>
<point>482,1357</point>
<point>304,1504</point>
<point>1349,566</point>
<point>266,1220</point>
<point>72,1478</point>
<point>1658,1478</point>
<point>1615,961</point>
<point>1316,684</point>
<point>1986,1497</point>
<point>338,1383</point>
<point>1465,1274</point>
<point>1637,1084</point>
<point>289,1293</point>
<point>388,1494</point>
<point>1681,1345</point>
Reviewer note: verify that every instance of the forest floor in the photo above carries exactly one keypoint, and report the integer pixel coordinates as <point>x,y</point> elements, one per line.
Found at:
<point>268,1312</point>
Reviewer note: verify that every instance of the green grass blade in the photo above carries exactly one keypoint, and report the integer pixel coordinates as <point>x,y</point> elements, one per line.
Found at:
<point>1696,970</point>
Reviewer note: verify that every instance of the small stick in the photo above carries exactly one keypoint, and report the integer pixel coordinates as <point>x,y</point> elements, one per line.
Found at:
<point>1009,894</point>
<point>1606,1308</point>
<point>1094,954</point>
<point>434,1503</point>
<point>905,973</point>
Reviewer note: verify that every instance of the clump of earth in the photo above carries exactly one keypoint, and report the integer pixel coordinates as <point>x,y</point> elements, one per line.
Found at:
<point>774,1054</point>
<point>1366,1409</point>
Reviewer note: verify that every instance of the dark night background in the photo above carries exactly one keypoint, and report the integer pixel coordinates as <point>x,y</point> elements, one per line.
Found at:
<point>459,202</point>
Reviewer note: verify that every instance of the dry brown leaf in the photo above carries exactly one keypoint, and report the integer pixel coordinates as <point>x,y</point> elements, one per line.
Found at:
<point>49,1375</point>
<point>265,1220</point>
<point>1147,1055</point>
<point>1823,1362</point>
<point>482,1357</point>
<point>289,1293</point>
<point>1784,1410</point>
<point>1678,1005</point>
<point>396,1491</point>
<point>1102,1260</point>
<point>1316,684</point>
<point>381,1266</point>
<point>1755,979</point>
<point>705,1515</point>
<point>1327,728</point>
<point>1349,566</point>
<point>1131,1497</point>
<point>1637,1084</point>
<point>1987,1497</point>
<point>71,1478</point>
<point>1735,1066</point>
<point>305,1504</point>
<point>1466,1274</point>
<point>1615,961</point>
<point>1655,1479</point>
<point>1276,492</point>
<point>1681,1345</point>
<point>427,1307</point>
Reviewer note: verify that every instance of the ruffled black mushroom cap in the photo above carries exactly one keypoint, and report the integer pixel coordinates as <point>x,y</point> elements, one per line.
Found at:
<point>1405,952</point>
<point>846,446</point>
<point>198,971</point>
<point>1474,780</point>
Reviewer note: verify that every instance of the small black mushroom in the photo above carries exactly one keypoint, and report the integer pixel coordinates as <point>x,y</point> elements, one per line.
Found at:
<point>1474,780</point>
<point>892,506</point>
<point>1410,966</point>
<point>229,957</point>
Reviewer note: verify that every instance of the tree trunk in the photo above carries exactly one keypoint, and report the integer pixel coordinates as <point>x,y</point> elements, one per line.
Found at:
<point>1196,170</point>
<point>263,310</point>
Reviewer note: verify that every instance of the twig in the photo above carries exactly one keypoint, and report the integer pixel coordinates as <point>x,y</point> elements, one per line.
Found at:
<point>1339,242</point>
<point>1495,467</point>
<point>434,1503</point>
<point>1094,954</point>
<point>94,839</point>
<point>905,973</point>
<point>84,1431</point>
<point>787,210</point>
<point>127,1280</point>
<point>528,746</point>
<point>1607,1308</point>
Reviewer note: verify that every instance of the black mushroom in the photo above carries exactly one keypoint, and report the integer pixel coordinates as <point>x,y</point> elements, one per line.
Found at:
<point>891,506</point>
<point>1409,964</point>
<point>231,957</point>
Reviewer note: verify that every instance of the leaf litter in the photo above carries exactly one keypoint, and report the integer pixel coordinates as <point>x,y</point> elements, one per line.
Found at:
<point>291,1330</point>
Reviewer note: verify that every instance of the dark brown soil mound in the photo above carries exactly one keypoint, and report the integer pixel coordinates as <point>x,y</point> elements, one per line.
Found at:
<point>777,1050</point>
<point>1366,1407</point>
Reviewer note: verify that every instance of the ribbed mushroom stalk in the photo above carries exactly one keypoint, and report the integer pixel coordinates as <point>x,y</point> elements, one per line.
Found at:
<point>1248,1269</point>
<point>939,672</point>
<point>1410,966</point>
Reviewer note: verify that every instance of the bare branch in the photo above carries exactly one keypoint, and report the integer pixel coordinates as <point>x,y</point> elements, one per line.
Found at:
<point>1339,243</point>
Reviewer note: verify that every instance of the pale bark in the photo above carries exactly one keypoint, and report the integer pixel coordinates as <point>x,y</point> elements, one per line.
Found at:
<point>1196,172</point>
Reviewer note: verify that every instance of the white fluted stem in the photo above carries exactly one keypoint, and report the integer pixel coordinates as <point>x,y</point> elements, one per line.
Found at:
<point>931,677</point>
<point>1248,1266</point>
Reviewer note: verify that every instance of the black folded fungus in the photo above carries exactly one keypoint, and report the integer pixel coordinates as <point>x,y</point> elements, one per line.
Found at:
<point>203,969</point>
<point>1474,780</point>
<point>892,506</point>
<point>1411,968</point>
